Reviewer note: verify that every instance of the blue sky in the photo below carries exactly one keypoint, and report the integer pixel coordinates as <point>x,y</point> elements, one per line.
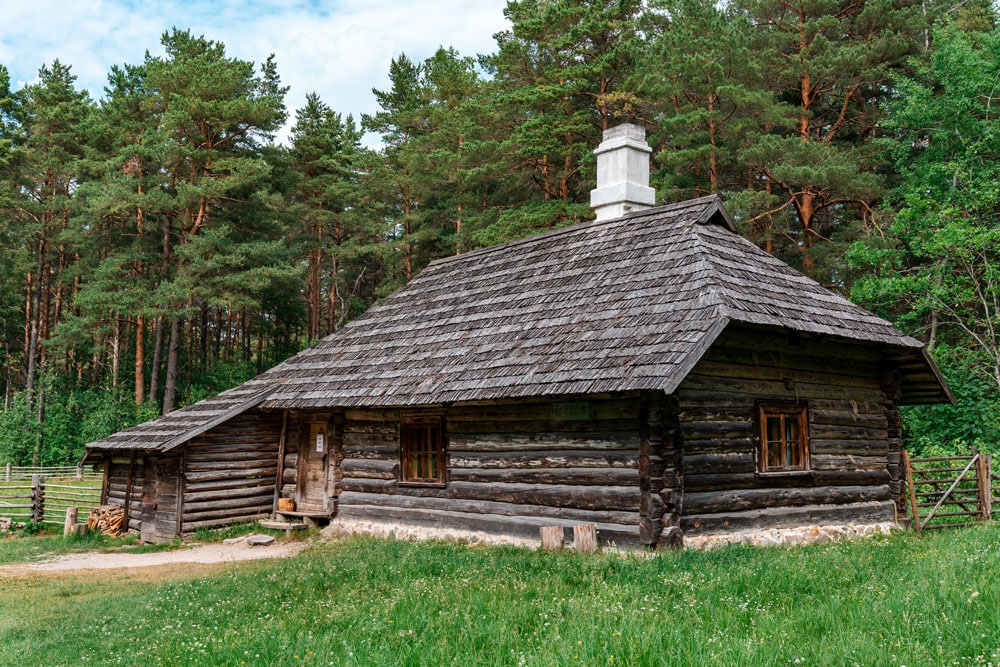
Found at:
<point>341,48</point>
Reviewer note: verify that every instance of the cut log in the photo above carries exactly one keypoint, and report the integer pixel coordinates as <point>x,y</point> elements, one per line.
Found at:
<point>551,537</point>
<point>585,538</point>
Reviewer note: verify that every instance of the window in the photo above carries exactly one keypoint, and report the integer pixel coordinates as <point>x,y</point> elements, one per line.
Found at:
<point>783,430</point>
<point>422,448</point>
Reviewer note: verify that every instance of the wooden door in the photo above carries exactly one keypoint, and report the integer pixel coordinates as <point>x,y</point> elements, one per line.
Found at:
<point>312,469</point>
<point>147,532</point>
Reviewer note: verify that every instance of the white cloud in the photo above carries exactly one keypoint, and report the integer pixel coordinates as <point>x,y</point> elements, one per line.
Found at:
<point>340,49</point>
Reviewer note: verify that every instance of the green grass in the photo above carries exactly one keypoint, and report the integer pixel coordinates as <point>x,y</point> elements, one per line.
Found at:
<point>360,601</point>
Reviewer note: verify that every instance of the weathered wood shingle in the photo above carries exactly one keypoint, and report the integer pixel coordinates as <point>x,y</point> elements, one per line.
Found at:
<point>620,305</point>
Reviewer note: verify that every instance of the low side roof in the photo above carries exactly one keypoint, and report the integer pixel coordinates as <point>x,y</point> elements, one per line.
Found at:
<point>618,305</point>
<point>176,428</point>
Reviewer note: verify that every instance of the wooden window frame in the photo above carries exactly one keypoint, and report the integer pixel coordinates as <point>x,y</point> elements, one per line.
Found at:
<point>784,410</point>
<point>423,438</point>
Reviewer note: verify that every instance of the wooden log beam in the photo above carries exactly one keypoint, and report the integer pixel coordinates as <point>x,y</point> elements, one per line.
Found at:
<point>370,468</point>
<point>580,458</point>
<point>753,499</point>
<point>500,442</point>
<point>242,492</point>
<point>574,476</point>
<point>192,508</point>
<point>236,473</point>
<point>556,495</point>
<point>349,498</point>
<point>234,515</point>
<point>471,426</point>
<point>790,517</point>
<point>232,464</point>
<point>721,462</point>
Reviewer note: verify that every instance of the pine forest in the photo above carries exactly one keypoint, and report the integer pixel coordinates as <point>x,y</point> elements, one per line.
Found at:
<point>163,240</point>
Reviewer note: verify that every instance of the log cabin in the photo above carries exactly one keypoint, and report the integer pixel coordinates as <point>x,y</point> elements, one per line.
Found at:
<point>650,372</point>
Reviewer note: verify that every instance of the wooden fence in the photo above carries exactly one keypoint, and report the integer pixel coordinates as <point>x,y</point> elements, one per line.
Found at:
<point>45,500</point>
<point>12,472</point>
<point>950,491</point>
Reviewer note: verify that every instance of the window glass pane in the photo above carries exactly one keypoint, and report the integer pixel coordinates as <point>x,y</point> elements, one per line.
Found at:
<point>792,438</point>
<point>421,446</point>
<point>775,443</point>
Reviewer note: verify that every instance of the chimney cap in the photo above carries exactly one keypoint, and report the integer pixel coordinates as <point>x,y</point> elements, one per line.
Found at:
<point>626,134</point>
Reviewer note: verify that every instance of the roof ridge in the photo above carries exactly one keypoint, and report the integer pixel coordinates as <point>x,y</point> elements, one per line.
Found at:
<point>714,283</point>
<point>581,226</point>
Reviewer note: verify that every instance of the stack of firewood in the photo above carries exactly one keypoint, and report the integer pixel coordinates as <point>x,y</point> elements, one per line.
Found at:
<point>107,518</point>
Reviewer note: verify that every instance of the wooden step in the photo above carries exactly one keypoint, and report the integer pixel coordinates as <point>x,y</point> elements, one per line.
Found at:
<point>287,526</point>
<point>315,514</point>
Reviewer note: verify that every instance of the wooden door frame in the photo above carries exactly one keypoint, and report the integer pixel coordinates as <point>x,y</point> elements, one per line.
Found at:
<point>306,453</point>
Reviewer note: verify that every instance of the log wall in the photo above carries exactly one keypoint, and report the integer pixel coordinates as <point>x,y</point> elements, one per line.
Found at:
<point>511,467</point>
<point>230,472</point>
<point>849,440</point>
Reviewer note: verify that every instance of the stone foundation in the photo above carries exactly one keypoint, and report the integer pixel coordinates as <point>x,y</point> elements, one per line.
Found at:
<point>397,531</point>
<point>772,537</point>
<point>768,537</point>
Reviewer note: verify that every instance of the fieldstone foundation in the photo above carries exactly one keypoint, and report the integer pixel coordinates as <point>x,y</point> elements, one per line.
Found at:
<point>768,537</point>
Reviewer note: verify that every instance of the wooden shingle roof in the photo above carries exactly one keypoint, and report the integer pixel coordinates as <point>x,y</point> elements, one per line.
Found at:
<point>619,305</point>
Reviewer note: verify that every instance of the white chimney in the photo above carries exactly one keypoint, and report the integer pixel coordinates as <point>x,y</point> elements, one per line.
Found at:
<point>622,173</point>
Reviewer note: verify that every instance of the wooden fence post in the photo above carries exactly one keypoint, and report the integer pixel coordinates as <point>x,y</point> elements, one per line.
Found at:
<point>69,527</point>
<point>552,537</point>
<point>984,487</point>
<point>37,498</point>
<point>585,538</point>
<point>912,491</point>
<point>8,472</point>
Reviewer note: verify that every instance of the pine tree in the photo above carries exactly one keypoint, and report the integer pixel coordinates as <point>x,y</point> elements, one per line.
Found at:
<point>703,95</point>
<point>813,167</point>
<point>215,114</point>
<point>326,158</point>
<point>558,76</point>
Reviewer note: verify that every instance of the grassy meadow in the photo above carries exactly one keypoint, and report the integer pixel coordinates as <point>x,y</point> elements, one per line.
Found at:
<point>361,601</point>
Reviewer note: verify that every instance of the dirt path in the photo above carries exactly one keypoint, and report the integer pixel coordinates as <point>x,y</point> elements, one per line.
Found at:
<point>199,553</point>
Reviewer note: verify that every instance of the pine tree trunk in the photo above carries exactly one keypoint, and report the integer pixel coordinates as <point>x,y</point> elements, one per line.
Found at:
<point>33,319</point>
<point>140,360</point>
<point>116,351</point>
<point>39,420</point>
<point>154,371</point>
<point>173,347</point>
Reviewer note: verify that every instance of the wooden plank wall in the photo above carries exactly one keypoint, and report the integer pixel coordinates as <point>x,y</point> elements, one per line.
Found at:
<point>118,486</point>
<point>848,434</point>
<point>160,496</point>
<point>230,471</point>
<point>512,467</point>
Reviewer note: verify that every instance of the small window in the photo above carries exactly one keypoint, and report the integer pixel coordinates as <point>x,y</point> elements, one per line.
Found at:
<point>422,448</point>
<point>783,430</point>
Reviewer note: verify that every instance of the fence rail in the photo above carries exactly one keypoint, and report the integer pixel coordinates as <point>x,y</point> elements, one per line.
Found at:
<point>47,503</point>
<point>10,472</point>
<point>949,491</point>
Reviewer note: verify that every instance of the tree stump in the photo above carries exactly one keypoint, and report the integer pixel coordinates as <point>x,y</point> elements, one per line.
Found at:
<point>585,538</point>
<point>69,528</point>
<point>552,538</point>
